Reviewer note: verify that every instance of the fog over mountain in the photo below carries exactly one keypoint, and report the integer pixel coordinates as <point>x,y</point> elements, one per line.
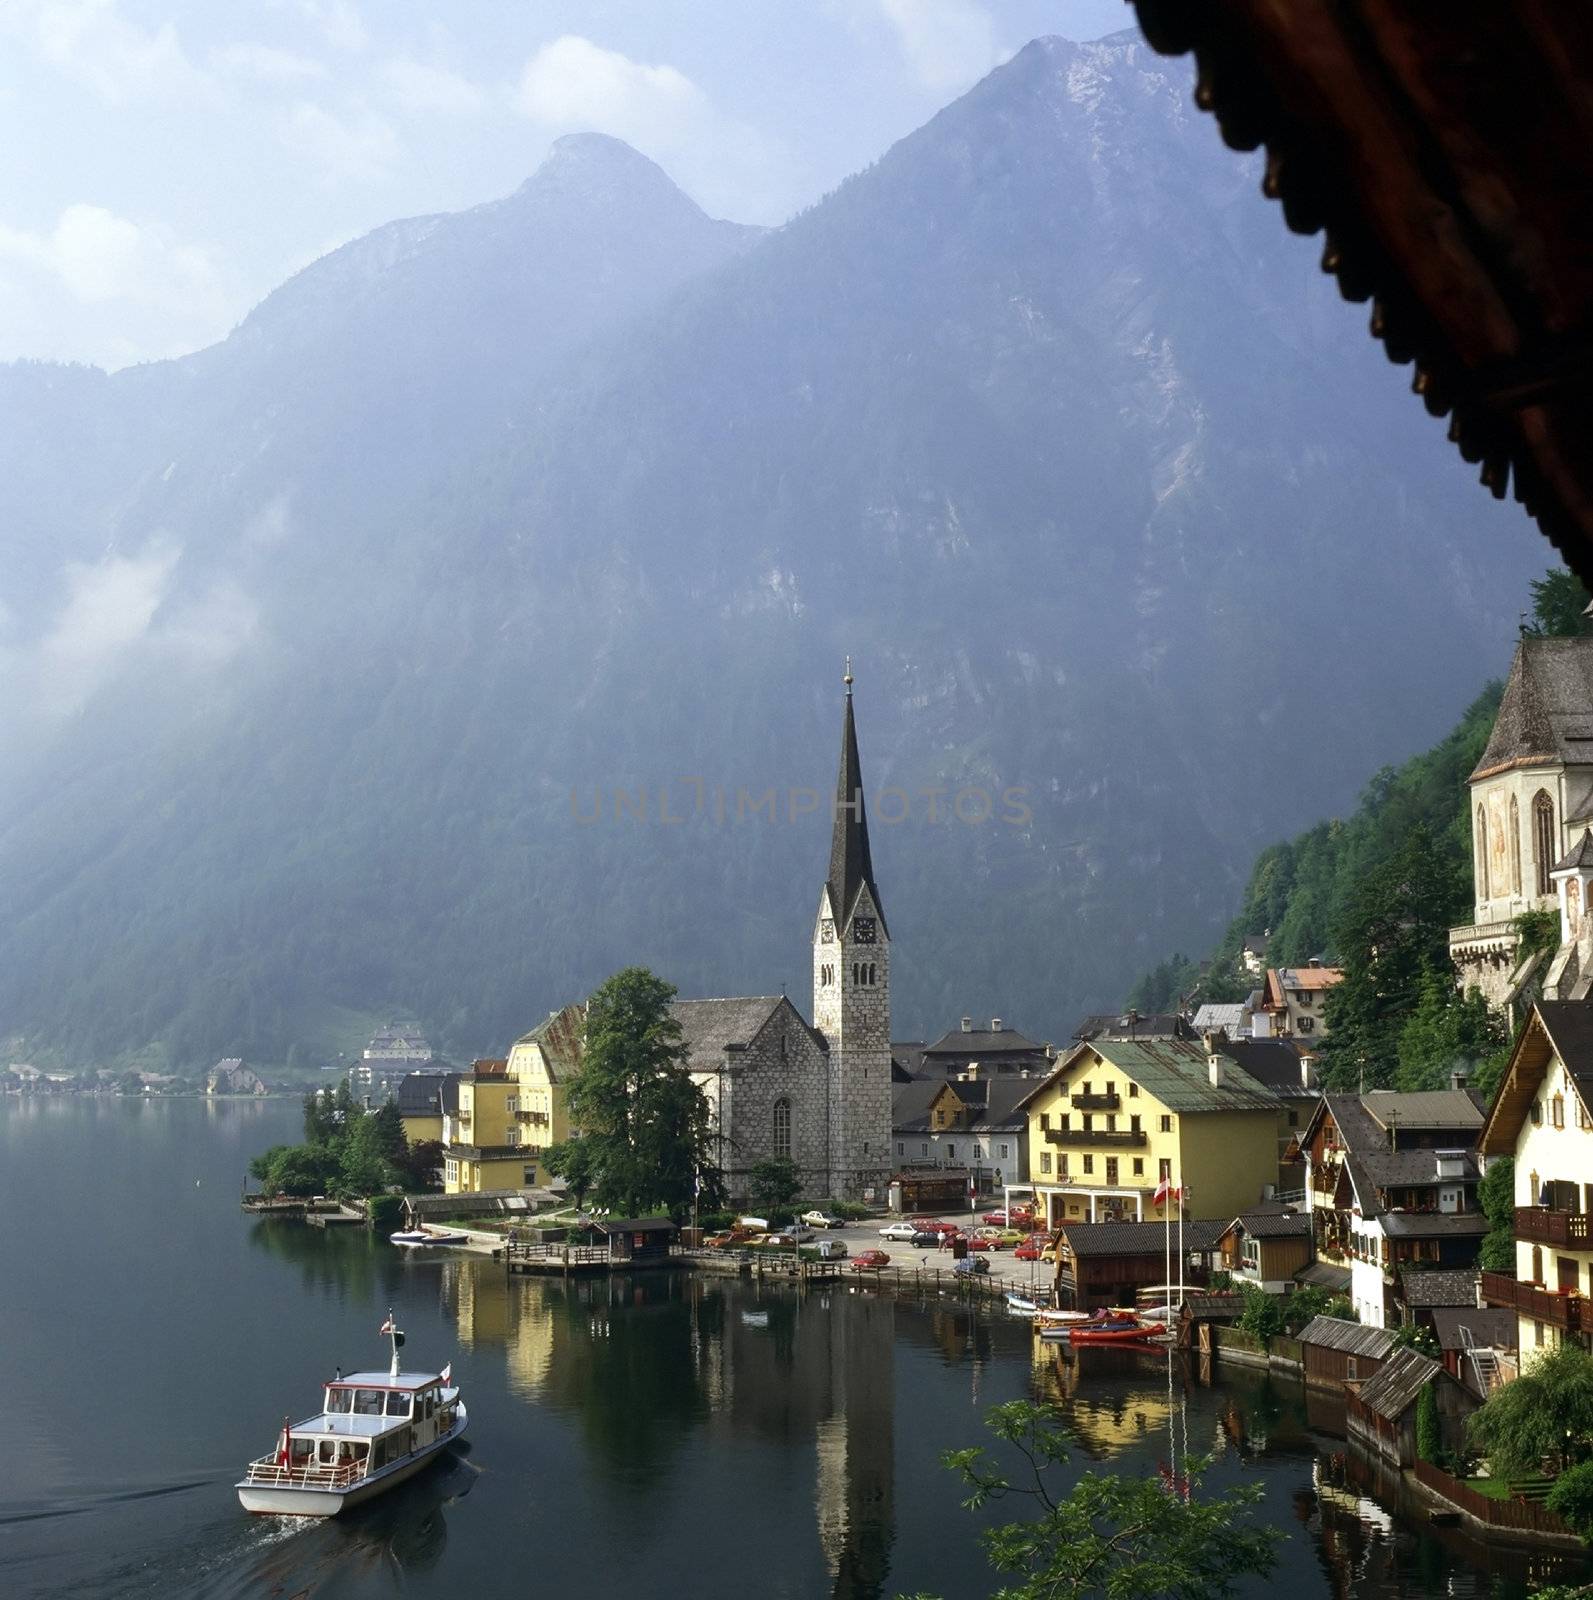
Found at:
<point>328,642</point>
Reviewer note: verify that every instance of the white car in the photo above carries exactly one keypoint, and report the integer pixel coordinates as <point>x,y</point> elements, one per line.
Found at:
<point>797,1235</point>
<point>821,1219</point>
<point>753,1224</point>
<point>899,1230</point>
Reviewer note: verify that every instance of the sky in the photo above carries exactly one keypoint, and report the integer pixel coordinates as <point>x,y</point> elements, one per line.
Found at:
<point>164,165</point>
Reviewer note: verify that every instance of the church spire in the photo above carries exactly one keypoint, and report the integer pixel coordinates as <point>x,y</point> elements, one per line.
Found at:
<point>851,866</point>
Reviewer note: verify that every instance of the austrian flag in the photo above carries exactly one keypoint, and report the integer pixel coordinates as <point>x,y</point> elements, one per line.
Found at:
<point>1166,1191</point>
<point>387,1327</point>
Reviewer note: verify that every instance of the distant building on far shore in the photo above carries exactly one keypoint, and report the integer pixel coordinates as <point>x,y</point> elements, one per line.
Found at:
<point>394,1051</point>
<point>233,1076</point>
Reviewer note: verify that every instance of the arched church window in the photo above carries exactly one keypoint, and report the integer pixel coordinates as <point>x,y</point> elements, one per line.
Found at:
<point>1542,840</point>
<point>1482,855</point>
<point>1515,846</point>
<point>782,1128</point>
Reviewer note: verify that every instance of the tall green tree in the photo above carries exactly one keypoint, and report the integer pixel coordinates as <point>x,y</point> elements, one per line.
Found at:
<point>1544,1417</point>
<point>773,1184</point>
<point>1496,1194</point>
<point>1446,1032</point>
<point>1118,1538</point>
<point>644,1138</point>
<point>1392,934</point>
<point>1558,601</point>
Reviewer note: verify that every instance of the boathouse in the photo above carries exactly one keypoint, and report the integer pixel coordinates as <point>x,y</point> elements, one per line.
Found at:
<point>637,1241</point>
<point>1334,1351</point>
<point>1380,1413</point>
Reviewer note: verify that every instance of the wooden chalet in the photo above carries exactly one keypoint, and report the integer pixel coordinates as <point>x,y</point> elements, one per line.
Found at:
<point>1380,1413</point>
<point>1108,1263</point>
<point>1266,1248</point>
<point>1334,1351</point>
<point>637,1241</point>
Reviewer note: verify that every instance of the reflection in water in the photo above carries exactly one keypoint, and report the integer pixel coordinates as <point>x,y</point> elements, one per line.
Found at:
<point>646,1362</point>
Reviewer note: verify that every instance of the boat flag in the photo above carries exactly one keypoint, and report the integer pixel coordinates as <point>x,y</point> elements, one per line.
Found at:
<point>283,1456</point>
<point>387,1327</point>
<point>447,1375</point>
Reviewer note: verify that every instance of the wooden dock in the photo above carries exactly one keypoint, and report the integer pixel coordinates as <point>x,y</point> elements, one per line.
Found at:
<point>562,1259</point>
<point>297,1207</point>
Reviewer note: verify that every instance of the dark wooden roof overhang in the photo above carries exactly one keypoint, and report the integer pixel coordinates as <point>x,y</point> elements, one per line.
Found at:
<point>1518,1088</point>
<point>1445,148</point>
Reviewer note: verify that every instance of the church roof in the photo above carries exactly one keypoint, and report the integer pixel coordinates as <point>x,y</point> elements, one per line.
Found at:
<point>1579,855</point>
<point>1546,714</point>
<point>851,865</point>
<point>711,1027</point>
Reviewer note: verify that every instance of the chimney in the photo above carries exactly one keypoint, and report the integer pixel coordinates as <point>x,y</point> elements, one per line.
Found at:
<point>995,1024</point>
<point>1458,1079</point>
<point>971,1072</point>
<point>1214,1061</point>
<point>967,1024</point>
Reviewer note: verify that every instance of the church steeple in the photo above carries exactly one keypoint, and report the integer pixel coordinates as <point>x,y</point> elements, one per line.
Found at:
<point>851,866</point>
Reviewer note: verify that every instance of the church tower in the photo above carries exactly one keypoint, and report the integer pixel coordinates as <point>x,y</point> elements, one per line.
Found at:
<point>852,989</point>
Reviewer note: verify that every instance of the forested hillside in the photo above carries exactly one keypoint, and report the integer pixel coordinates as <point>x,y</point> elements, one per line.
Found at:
<point>1376,893</point>
<point>489,519</point>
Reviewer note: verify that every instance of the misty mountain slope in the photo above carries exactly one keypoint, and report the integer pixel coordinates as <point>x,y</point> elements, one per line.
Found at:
<point>1044,418</point>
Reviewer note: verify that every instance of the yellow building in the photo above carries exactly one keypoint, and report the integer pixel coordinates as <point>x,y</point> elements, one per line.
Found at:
<point>1542,1115</point>
<point>1118,1117</point>
<point>542,1062</point>
<point>421,1099</point>
<point>482,1147</point>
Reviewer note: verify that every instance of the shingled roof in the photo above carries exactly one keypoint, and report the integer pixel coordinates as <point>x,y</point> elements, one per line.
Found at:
<point>1353,1338</point>
<point>711,1027</point>
<point>1546,714</point>
<point>1175,1072</point>
<point>1392,1389</point>
<point>851,864</point>
<point>1092,1239</point>
<point>1424,1291</point>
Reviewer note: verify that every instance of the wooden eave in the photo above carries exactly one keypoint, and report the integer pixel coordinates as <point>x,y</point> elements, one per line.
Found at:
<point>1518,1086</point>
<point>1446,153</point>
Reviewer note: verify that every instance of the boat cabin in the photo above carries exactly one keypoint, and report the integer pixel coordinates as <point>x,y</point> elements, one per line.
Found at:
<point>370,1420</point>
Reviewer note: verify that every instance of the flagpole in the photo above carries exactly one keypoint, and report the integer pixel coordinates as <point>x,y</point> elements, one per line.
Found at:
<point>1167,1244</point>
<point>1180,1245</point>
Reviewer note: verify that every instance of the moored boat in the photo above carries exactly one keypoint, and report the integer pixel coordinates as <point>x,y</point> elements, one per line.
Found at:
<point>416,1238</point>
<point>375,1430</point>
<point>1022,1305</point>
<point>1116,1330</point>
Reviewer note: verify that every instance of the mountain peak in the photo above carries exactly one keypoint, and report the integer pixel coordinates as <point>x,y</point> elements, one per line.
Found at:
<point>597,165</point>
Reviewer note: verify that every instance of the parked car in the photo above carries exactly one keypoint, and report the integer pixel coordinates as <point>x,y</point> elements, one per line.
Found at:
<point>1029,1250</point>
<point>870,1261</point>
<point>970,1266</point>
<point>832,1250</point>
<point>753,1224</point>
<point>1006,1238</point>
<point>898,1230</point>
<point>977,1241</point>
<point>926,1240</point>
<point>822,1219</point>
<point>790,1236</point>
<point>997,1219</point>
<point>718,1241</point>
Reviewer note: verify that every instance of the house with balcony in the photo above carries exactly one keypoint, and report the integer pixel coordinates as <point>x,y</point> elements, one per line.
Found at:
<point>1391,1186</point>
<point>1120,1117</point>
<point>541,1063</point>
<point>1541,1116</point>
<point>482,1148</point>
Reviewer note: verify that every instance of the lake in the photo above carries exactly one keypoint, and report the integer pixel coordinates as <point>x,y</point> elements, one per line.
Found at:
<point>662,1435</point>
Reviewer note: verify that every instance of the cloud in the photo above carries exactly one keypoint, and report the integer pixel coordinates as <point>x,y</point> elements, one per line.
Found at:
<point>948,43</point>
<point>419,87</point>
<point>93,43</point>
<point>267,63</point>
<point>360,147</point>
<point>339,22</point>
<point>575,84</point>
<point>109,607</point>
<point>104,288</point>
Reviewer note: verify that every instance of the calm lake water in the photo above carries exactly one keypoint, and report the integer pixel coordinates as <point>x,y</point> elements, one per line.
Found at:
<point>667,1435</point>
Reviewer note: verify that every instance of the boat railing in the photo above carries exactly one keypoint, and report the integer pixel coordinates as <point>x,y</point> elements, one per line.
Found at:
<point>270,1472</point>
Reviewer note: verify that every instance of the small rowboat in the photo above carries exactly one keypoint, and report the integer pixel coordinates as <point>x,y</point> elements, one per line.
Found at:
<point>1020,1304</point>
<point>416,1238</point>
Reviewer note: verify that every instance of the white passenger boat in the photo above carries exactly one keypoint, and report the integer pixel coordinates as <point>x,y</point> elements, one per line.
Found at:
<point>376,1429</point>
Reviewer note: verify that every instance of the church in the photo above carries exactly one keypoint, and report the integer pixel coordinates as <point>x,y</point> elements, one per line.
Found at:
<point>820,1092</point>
<point>1532,831</point>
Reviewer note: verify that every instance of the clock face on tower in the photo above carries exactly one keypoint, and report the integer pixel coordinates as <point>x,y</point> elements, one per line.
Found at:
<point>827,931</point>
<point>863,930</point>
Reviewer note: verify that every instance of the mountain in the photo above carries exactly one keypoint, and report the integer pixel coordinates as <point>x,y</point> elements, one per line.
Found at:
<point>347,636</point>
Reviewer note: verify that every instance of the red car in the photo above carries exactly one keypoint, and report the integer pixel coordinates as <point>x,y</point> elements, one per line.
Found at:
<point>974,1242</point>
<point>1029,1250</point>
<point>996,1219</point>
<point>870,1261</point>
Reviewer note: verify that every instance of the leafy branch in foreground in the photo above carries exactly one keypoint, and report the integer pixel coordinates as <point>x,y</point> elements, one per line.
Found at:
<point>1111,1536</point>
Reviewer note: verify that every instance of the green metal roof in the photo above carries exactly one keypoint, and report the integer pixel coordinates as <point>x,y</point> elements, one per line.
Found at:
<point>1176,1072</point>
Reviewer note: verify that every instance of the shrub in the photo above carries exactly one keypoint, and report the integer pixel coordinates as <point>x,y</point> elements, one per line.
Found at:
<point>385,1210</point>
<point>1262,1317</point>
<point>1427,1437</point>
<point>1571,1500</point>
